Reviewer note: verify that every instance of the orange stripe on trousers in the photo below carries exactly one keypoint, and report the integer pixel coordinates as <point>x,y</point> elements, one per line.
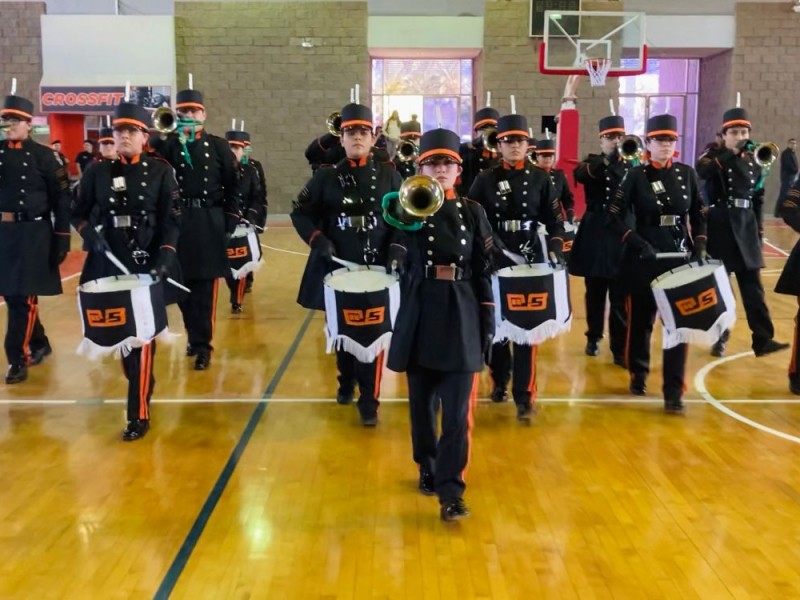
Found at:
<point>240,290</point>
<point>144,381</point>
<point>532,387</point>
<point>378,376</point>
<point>32,309</point>
<point>473,401</point>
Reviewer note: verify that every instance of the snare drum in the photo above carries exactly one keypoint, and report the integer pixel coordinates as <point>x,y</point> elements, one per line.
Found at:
<point>244,251</point>
<point>361,305</point>
<point>120,313</point>
<point>532,303</point>
<point>695,302</point>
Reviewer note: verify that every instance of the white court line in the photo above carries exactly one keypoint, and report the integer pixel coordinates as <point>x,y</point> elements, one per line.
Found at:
<point>283,250</point>
<point>700,386</point>
<point>780,251</point>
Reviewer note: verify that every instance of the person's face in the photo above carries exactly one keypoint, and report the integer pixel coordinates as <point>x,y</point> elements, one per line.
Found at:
<point>734,135</point>
<point>661,147</point>
<point>357,142</point>
<point>546,161</point>
<point>238,151</point>
<point>18,129</point>
<point>129,140</point>
<point>87,147</point>
<point>107,150</point>
<point>197,114</point>
<point>609,142</point>
<point>57,146</point>
<point>442,169</point>
<point>792,145</point>
<point>513,148</point>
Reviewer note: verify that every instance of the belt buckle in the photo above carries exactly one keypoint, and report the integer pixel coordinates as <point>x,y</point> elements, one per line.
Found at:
<point>668,220</point>
<point>741,203</point>
<point>512,226</point>
<point>122,221</point>
<point>445,272</point>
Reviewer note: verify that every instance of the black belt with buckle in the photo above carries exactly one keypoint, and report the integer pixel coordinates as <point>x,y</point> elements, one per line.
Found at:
<point>195,202</point>
<point>661,220</point>
<point>15,217</point>
<point>445,272</point>
<point>357,222</point>
<point>121,221</point>
<point>739,203</point>
<point>517,225</point>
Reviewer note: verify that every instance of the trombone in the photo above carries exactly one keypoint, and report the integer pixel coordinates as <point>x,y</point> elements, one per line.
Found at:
<point>407,151</point>
<point>419,197</point>
<point>334,123</point>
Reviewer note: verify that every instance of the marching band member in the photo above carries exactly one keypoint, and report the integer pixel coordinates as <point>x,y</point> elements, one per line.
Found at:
<point>410,132</point>
<point>130,207</point>
<point>207,179</point>
<point>474,155</point>
<point>517,196</point>
<point>789,281</point>
<point>34,234</point>
<point>597,252</point>
<point>264,203</point>
<point>251,202</point>
<point>662,196</point>
<point>108,150</point>
<point>338,214</point>
<point>546,159</point>
<point>445,320</point>
<point>324,151</point>
<point>735,224</point>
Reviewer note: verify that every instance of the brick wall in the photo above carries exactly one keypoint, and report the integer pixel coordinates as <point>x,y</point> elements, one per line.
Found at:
<point>766,66</point>
<point>21,48</point>
<point>247,59</point>
<point>511,66</point>
<point>715,96</point>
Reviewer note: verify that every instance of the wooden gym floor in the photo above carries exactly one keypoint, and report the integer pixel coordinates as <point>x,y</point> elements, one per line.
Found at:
<point>253,483</point>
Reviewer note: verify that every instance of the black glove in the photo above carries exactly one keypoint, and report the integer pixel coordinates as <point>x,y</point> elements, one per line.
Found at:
<point>323,246</point>
<point>396,259</point>
<point>647,252</point>
<point>699,253</point>
<point>59,248</point>
<point>165,262</point>
<point>94,239</point>
<point>487,328</point>
<point>555,251</point>
<point>570,216</point>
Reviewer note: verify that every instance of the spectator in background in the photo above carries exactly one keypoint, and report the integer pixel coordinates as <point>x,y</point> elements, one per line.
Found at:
<point>380,138</point>
<point>86,157</point>
<point>789,171</point>
<point>56,146</point>
<point>392,133</point>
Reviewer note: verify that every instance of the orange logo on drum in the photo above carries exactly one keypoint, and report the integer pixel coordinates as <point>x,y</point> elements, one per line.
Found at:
<point>110,317</point>
<point>239,252</point>
<point>527,301</point>
<point>567,246</point>
<point>691,306</point>
<point>360,318</point>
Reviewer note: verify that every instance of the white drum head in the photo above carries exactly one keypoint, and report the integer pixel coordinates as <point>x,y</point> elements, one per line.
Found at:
<point>685,274</point>
<point>117,283</point>
<point>359,280</point>
<point>534,270</point>
<point>242,231</point>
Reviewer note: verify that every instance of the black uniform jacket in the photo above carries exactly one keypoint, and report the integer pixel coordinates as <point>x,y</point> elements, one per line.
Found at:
<point>210,203</point>
<point>734,234</point>
<point>325,206</point>
<point>324,151</point>
<point>475,159</point>
<point>439,325</point>
<point>262,180</point>
<point>252,201</point>
<point>34,200</point>
<point>562,191</point>
<point>405,168</point>
<point>597,251</point>
<point>680,199</point>
<point>523,193</point>
<point>138,222</point>
<point>789,281</point>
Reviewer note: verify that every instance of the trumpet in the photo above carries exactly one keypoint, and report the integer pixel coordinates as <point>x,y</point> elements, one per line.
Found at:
<point>334,123</point>
<point>630,148</point>
<point>419,197</point>
<point>407,151</point>
<point>764,154</point>
<point>489,138</point>
<point>165,120</point>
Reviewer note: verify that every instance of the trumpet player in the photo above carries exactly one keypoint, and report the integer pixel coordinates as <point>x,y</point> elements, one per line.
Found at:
<point>734,175</point>
<point>597,252</point>
<point>481,152</point>
<point>445,321</point>
<point>546,160</point>
<point>206,175</point>
<point>338,214</point>
<point>408,149</point>
<point>327,149</point>
<point>517,196</point>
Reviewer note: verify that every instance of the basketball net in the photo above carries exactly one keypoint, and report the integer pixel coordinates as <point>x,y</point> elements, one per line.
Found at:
<point>598,69</point>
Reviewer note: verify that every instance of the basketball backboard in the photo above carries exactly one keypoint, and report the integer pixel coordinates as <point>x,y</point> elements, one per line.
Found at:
<point>618,37</point>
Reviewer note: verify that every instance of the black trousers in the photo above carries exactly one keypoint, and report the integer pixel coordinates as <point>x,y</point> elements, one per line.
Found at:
<point>367,375</point>
<point>755,307</point>
<point>597,288</point>
<point>793,374</point>
<point>447,456</point>
<point>236,288</point>
<point>138,369</point>
<point>523,386</point>
<point>199,311</point>
<point>641,316</point>
<point>24,331</point>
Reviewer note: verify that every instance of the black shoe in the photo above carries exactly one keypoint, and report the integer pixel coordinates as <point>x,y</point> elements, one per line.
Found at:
<point>426,482</point>
<point>16,373</point>
<point>718,349</point>
<point>368,418</point>
<point>794,387</point>
<point>344,397</point>
<point>592,348</point>
<point>770,347</point>
<point>638,386</point>
<point>236,309</point>
<point>37,356</point>
<point>524,411</point>
<point>499,394</point>
<point>135,430</point>
<point>619,360</point>
<point>202,360</point>
<point>453,510</point>
<point>674,405</point>
<point>190,350</point>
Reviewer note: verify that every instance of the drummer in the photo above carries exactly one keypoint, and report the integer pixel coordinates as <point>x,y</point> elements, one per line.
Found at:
<point>664,198</point>
<point>129,207</point>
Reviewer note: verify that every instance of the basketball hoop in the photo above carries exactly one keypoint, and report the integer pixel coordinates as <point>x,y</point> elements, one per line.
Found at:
<point>598,69</point>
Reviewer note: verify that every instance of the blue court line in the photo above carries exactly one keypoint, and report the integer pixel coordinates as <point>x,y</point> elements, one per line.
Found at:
<point>189,543</point>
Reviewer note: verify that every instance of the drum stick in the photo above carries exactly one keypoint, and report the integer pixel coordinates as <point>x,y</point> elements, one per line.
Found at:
<point>662,255</point>
<point>178,285</point>
<point>517,259</point>
<point>344,263</point>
